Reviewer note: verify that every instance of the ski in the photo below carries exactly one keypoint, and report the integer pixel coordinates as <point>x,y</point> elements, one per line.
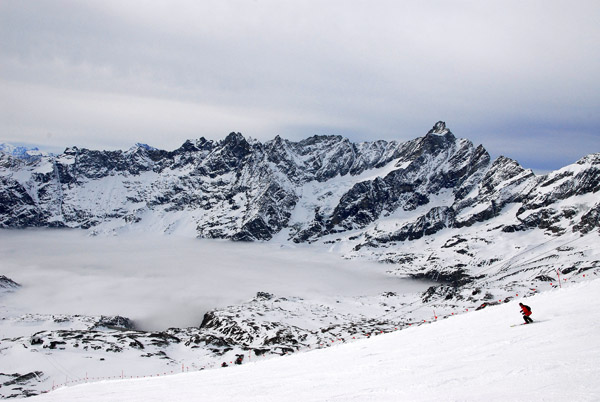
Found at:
<point>523,323</point>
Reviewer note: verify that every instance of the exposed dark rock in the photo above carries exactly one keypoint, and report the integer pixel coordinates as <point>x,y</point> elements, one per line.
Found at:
<point>22,379</point>
<point>545,278</point>
<point>453,242</point>
<point>443,292</point>
<point>8,284</point>
<point>54,344</point>
<point>17,208</point>
<point>115,322</point>
<point>568,270</point>
<point>163,338</point>
<point>455,276</point>
<point>433,221</point>
<point>545,218</point>
<point>589,221</point>
<point>264,296</point>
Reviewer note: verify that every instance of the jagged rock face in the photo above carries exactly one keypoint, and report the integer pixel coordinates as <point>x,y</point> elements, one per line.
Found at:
<point>433,221</point>
<point>242,189</point>
<point>589,221</point>
<point>114,322</point>
<point>580,178</point>
<point>322,158</point>
<point>504,182</point>
<point>427,166</point>
<point>17,208</point>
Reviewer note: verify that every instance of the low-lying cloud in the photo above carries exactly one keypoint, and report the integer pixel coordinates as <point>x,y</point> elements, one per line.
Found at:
<point>169,281</point>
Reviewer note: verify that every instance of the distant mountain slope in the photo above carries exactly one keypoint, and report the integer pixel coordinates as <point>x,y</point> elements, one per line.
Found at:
<point>26,153</point>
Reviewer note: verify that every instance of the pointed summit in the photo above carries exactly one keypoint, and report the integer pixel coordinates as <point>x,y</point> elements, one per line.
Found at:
<point>7,283</point>
<point>140,147</point>
<point>237,144</point>
<point>439,128</point>
<point>438,138</point>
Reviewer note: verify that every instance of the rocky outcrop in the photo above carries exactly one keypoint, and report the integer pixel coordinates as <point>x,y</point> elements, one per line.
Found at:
<point>8,284</point>
<point>589,221</point>
<point>16,385</point>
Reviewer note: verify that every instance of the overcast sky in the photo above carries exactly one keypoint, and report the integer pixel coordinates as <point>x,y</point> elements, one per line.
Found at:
<point>520,77</point>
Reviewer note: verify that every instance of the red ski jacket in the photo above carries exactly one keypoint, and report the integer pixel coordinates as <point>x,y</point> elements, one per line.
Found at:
<point>526,310</point>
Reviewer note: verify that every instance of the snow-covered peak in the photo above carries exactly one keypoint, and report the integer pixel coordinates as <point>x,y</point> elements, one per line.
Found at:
<point>439,128</point>
<point>591,159</point>
<point>504,169</point>
<point>21,152</point>
<point>12,150</point>
<point>140,146</point>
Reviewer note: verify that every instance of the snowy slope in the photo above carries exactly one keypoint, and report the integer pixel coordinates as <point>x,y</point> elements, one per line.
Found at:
<point>472,357</point>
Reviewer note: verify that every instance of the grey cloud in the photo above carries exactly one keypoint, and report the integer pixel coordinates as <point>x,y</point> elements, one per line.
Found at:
<point>371,69</point>
<point>161,282</point>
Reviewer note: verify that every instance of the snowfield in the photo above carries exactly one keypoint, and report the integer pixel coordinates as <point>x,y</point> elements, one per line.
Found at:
<point>476,356</point>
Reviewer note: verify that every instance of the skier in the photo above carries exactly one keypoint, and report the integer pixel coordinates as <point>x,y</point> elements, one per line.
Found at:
<point>526,311</point>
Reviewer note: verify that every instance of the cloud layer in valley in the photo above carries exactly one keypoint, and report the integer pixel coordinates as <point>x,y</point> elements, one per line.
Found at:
<point>168,281</point>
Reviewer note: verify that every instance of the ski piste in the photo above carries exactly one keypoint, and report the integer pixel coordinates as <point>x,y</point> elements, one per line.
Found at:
<point>410,364</point>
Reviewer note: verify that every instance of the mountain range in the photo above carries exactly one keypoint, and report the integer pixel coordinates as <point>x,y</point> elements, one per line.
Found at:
<point>364,197</point>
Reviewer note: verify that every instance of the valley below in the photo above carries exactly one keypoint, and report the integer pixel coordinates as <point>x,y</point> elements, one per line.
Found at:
<point>81,307</point>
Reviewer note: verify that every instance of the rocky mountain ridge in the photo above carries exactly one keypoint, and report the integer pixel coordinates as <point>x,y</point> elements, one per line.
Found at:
<point>242,189</point>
